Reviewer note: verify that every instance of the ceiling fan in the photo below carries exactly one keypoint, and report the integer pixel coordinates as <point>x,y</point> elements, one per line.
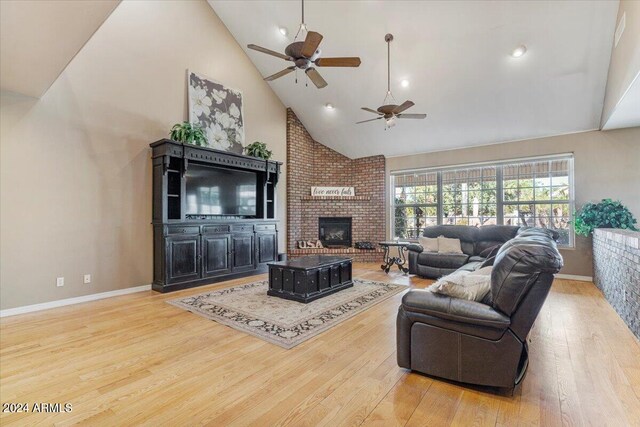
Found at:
<point>390,110</point>
<point>305,54</point>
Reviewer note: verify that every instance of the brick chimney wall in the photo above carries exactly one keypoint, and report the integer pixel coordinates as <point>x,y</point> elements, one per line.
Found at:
<point>310,163</point>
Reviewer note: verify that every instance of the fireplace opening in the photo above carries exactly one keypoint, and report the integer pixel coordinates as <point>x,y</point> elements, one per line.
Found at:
<point>335,231</point>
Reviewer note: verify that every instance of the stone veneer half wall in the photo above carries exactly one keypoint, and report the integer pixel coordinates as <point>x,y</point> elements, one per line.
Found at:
<point>309,164</point>
<point>616,272</point>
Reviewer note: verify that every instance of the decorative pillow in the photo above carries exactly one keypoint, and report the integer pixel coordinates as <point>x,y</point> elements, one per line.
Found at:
<point>472,286</point>
<point>430,244</point>
<point>491,251</point>
<point>449,246</point>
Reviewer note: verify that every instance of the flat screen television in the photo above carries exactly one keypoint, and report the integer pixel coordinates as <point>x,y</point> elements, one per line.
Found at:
<point>218,191</point>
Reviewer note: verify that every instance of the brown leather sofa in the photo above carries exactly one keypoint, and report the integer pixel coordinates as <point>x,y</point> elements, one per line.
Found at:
<point>481,343</point>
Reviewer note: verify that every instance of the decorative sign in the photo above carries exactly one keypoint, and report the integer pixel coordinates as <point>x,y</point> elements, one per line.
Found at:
<point>309,244</point>
<point>333,191</point>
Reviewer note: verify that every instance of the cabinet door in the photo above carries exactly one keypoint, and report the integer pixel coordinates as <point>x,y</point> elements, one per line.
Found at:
<point>266,247</point>
<point>183,258</point>
<point>243,252</point>
<point>216,254</point>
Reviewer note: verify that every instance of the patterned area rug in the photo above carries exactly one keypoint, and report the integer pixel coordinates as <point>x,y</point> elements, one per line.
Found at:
<point>248,308</point>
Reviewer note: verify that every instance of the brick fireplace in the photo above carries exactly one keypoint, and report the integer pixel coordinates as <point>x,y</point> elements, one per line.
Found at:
<point>310,164</point>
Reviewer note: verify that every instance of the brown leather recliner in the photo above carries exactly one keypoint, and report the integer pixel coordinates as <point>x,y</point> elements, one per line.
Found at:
<point>483,343</point>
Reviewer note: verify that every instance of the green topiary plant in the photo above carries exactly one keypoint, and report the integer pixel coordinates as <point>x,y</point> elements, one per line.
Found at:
<point>188,133</point>
<point>606,214</point>
<point>258,149</point>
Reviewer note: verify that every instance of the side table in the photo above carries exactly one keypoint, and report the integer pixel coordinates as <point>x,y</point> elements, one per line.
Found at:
<point>399,260</point>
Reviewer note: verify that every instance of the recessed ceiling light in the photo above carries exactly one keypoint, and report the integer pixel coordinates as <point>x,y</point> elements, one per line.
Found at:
<point>519,51</point>
<point>283,31</point>
<point>329,106</point>
<point>404,83</point>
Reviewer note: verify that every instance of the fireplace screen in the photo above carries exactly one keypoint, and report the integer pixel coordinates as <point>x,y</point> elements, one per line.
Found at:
<point>335,231</point>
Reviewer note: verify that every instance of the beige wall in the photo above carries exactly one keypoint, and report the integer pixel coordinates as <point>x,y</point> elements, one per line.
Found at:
<point>625,58</point>
<point>75,168</point>
<point>606,166</point>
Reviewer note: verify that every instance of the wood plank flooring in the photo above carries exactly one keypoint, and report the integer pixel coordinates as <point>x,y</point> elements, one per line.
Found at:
<point>135,360</point>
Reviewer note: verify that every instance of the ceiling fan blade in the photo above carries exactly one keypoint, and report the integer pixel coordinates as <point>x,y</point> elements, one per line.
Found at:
<point>411,116</point>
<point>316,78</point>
<point>311,44</point>
<point>400,108</point>
<point>370,120</point>
<point>372,111</point>
<point>280,74</point>
<point>338,62</point>
<point>268,51</point>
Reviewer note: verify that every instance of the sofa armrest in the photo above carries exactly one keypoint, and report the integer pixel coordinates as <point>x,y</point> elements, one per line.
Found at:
<point>454,309</point>
<point>413,247</point>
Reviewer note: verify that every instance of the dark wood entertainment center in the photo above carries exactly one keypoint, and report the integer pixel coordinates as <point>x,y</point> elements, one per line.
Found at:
<point>197,249</point>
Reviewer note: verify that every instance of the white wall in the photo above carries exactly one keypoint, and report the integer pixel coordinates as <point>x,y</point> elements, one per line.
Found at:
<point>75,171</point>
<point>625,58</point>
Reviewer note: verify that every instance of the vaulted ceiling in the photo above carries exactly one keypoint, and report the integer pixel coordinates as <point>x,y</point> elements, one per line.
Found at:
<point>456,58</point>
<point>39,38</point>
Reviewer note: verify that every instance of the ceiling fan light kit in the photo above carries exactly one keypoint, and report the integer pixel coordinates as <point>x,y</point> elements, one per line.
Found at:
<point>306,55</point>
<point>390,111</point>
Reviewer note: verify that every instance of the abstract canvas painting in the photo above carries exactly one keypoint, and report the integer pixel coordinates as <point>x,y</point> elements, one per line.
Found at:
<point>218,110</point>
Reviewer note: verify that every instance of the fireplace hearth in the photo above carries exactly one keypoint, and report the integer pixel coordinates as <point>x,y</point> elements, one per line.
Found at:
<point>335,232</point>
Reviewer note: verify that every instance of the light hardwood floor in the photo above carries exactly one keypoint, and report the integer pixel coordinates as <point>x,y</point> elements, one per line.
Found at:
<point>136,360</point>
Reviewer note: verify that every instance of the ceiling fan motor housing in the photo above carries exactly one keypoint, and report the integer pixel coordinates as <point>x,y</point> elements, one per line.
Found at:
<point>294,50</point>
<point>387,109</point>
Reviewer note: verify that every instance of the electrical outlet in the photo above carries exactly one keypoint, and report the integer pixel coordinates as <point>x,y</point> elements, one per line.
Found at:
<point>87,278</point>
<point>60,281</point>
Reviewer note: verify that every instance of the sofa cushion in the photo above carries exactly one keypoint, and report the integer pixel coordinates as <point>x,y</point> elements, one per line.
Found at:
<point>429,244</point>
<point>448,246</point>
<point>490,251</point>
<point>497,233</point>
<point>429,272</point>
<point>492,235</point>
<point>445,307</point>
<point>488,262</point>
<point>471,265</point>
<point>442,260</point>
<point>466,234</point>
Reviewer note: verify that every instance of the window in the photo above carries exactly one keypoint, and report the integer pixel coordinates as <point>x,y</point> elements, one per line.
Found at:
<point>415,203</point>
<point>469,196</point>
<point>533,192</point>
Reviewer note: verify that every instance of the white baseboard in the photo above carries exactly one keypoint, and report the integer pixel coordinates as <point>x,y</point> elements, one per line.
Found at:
<point>574,277</point>
<point>71,301</point>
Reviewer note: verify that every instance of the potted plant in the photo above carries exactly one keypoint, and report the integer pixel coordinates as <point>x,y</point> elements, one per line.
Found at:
<point>189,134</point>
<point>258,149</point>
<point>606,214</point>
